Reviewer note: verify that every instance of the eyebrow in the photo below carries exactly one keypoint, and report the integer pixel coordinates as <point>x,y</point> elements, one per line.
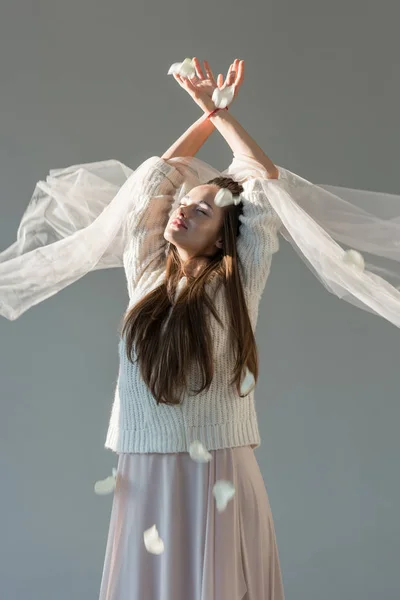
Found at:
<point>204,202</point>
<point>201,202</point>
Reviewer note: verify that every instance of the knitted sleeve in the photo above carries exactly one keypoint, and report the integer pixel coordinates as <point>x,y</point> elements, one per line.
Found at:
<point>258,238</point>
<point>145,250</point>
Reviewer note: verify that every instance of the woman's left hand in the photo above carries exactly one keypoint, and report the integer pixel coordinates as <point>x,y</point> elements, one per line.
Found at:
<point>201,87</point>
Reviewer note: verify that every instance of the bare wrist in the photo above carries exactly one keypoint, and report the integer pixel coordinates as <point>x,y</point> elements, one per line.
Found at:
<point>220,112</point>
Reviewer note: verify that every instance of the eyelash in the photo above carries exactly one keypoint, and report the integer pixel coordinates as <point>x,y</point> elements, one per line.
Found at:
<point>202,211</point>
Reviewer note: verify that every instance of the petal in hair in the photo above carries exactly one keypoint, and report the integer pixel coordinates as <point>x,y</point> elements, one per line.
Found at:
<point>224,197</point>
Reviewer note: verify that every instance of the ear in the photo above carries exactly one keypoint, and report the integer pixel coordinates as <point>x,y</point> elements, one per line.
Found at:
<point>219,243</point>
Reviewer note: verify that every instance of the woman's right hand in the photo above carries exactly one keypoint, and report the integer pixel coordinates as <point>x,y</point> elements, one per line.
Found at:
<point>201,87</point>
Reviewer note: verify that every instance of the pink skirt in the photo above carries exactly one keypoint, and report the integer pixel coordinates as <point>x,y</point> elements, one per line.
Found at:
<point>208,555</point>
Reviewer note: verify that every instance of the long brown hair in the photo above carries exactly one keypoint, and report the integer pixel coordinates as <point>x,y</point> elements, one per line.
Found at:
<point>170,336</point>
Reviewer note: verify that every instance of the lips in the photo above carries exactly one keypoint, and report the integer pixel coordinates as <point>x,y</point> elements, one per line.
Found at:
<point>179,222</point>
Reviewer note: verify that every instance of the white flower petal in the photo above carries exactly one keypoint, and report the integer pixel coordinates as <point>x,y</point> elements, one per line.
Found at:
<point>174,68</point>
<point>222,98</point>
<point>187,71</point>
<point>188,61</point>
<point>199,453</point>
<point>223,492</point>
<point>223,197</point>
<point>229,93</point>
<point>105,486</point>
<point>248,382</point>
<point>152,541</point>
<point>216,97</point>
<point>355,259</point>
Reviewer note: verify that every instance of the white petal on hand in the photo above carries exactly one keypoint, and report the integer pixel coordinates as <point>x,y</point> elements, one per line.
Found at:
<point>355,259</point>
<point>185,68</point>
<point>222,98</point>
<point>174,68</point>
<point>223,492</point>
<point>152,541</point>
<point>199,453</point>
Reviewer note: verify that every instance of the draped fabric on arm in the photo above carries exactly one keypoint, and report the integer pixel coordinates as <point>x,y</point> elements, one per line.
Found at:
<point>93,216</point>
<point>314,219</point>
<point>76,226</point>
<point>69,200</point>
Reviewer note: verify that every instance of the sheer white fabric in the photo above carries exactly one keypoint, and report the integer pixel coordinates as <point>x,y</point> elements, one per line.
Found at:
<point>76,223</point>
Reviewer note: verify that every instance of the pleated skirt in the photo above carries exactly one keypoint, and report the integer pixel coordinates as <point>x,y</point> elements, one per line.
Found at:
<point>208,555</point>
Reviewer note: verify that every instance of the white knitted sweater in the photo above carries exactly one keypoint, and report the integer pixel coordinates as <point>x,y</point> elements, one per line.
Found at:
<point>218,418</point>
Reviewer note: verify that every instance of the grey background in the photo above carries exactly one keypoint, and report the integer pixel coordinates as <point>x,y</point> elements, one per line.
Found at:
<point>84,81</point>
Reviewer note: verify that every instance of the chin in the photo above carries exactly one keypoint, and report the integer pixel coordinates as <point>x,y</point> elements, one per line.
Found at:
<point>168,236</point>
<point>171,234</point>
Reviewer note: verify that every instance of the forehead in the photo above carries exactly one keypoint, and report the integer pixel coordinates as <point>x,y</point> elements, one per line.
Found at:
<point>206,191</point>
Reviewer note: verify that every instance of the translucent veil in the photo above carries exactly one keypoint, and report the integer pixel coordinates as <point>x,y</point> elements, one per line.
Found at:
<point>76,223</point>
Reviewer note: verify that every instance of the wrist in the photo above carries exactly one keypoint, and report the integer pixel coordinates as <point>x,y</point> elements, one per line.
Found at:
<point>216,112</point>
<point>208,106</point>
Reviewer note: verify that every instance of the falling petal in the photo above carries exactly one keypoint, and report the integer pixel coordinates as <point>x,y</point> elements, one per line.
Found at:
<point>223,492</point>
<point>248,383</point>
<point>355,259</point>
<point>152,541</point>
<point>105,486</point>
<point>199,453</point>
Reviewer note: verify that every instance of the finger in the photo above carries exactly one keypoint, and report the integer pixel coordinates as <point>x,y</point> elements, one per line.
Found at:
<point>220,80</point>
<point>178,78</point>
<point>209,72</point>
<point>228,74</point>
<point>231,77</point>
<point>240,73</point>
<point>232,72</point>
<point>198,68</point>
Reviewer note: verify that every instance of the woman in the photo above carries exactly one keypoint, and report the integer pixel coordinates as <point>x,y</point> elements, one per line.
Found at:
<point>177,268</point>
<point>191,517</point>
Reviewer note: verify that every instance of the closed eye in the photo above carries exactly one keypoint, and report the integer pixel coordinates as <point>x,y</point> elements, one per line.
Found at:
<point>199,209</point>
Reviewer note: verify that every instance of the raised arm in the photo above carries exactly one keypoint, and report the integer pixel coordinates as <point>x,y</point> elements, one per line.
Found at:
<point>190,142</point>
<point>145,251</point>
<point>241,142</point>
